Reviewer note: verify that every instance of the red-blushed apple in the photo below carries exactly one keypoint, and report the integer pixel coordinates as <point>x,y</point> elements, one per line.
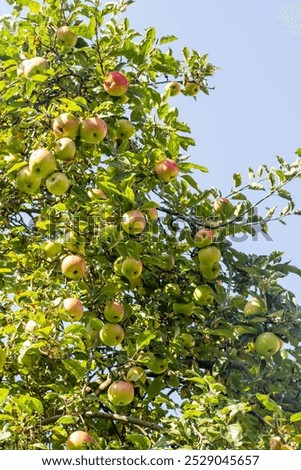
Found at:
<point>34,66</point>
<point>66,37</point>
<point>167,170</point>
<point>113,312</point>
<point>223,207</point>
<point>210,272</point>
<point>191,89</point>
<point>52,248</point>
<point>64,149</point>
<point>124,129</point>
<point>111,334</point>
<point>209,255</point>
<point>173,88</point>
<point>115,84</point>
<point>136,374</point>
<point>78,440</point>
<point>66,125</point>
<point>133,222</point>
<point>131,268</point>
<point>121,393</point>
<point>267,344</point>
<point>254,307</point>
<point>203,237</point>
<point>41,163</point>
<point>27,182</point>
<point>57,183</point>
<point>93,130</point>
<point>96,193</point>
<point>74,308</point>
<point>74,267</point>
<point>203,295</point>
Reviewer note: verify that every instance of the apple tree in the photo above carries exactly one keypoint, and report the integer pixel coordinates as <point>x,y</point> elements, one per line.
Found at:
<point>130,318</point>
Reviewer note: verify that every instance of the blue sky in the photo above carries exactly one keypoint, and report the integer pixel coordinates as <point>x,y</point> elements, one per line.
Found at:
<point>253,113</point>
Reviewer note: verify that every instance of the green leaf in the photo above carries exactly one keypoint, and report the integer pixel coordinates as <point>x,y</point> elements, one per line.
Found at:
<point>147,44</point>
<point>155,387</point>
<point>144,338</point>
<point>3,394</point>
<point>168,38</point>
<point>16,166</point>
<point>75,368</point>
<point>173,145</point>
<point>295,417</point>
<point>129,194</point>
<point>269,404</point>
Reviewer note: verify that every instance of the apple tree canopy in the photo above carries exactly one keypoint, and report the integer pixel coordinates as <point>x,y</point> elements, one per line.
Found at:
<point>103,278</point>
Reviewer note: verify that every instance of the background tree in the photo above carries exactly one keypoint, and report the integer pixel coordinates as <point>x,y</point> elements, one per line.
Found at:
<point>127,315</point>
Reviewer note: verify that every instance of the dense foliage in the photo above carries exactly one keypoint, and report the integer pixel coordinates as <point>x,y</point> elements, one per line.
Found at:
<point>204,384</point>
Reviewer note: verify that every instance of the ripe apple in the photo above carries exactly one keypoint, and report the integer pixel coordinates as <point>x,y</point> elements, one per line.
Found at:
<point>113,312</point>
<point>191,89</point>
<point>121,393</point>
<point>34,66</point>
<point>254,307</point>
<point>203,237</point>
<point>115,84</point>
<point>223,207</point>
<point>133,222</point>
<point>173,88</point>
<point>57,183</point>
<point>96,193</point>
<point>124,129</point>
<point>131,268</point>
<point>136,374</point>
<point>41,163</point>
<point>157,364</point>
<point>74,308</point>
<point>167,170</point>
<point>52,249</point>
<point>66,37</point>
<point>210,272</point>
<point>203,295</point>
<point>267,344</point>
<point>183,308</point>
<point>74,267</point>
<point>93,130</point>
<point>117,266</point>
<point>64,149</point>
<point>26,182</point>
<point>74,242</point>
<point>209,255</point>
<point>111,334</point>
<point>78,440</point>
<point>66,125</point>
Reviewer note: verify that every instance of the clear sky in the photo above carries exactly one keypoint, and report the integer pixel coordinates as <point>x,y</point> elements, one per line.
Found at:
<point>253,113</point>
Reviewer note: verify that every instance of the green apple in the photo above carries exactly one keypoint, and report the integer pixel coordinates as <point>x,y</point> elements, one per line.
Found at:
<point>267,344</point>
<point>183,308</point>
<point>64,149</point>
<point>203,295</point>
<point>74,242</point>
<point>117,266</point>
<point>203,237</point>
<point>115,84</point>
<point>93,130</point>
<point>157,364</point>
<point>66,37</point>
<point>74,308</point>
<point>57,184</point>
<point>52,249</point>
<point>27,182</point>
<point>223,207</point>
<point>34,66</point>
<point>121,393</point>
<point>173,88</point>
<point>124,129</point>
<point>172,289</point>
<point>186,340</point>
<point>131,268</point>
<point>78,440</point>
<point>2,358</point>
<point>66,125</point>
<point>133,222</point>
<point>41,163</point>
<point>74,267</point>
<point>210,272</point>
<point>209,255</point>
<point>254,307</point>
<point>111,334</point>
<point>136,374</point>
<point>167,170</point>
<point>113,312</point>
<point>191,89</point>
